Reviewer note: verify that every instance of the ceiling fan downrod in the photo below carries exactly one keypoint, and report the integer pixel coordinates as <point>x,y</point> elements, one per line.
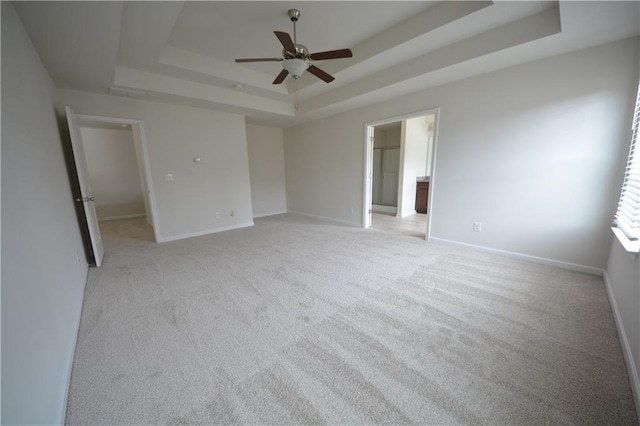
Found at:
<point>294,15</point>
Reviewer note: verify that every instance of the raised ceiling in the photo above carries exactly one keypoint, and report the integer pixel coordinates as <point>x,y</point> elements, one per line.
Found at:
<point>183,52</point>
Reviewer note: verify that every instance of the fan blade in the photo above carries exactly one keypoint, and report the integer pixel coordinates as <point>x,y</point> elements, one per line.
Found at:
<point>331,54</point>
<point>259,60</point>
<point>285,40</point>
<point>280,78</point>
<point>327,78</point>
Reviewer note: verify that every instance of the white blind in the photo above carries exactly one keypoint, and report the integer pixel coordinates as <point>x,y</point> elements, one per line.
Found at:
<point>628,213</point>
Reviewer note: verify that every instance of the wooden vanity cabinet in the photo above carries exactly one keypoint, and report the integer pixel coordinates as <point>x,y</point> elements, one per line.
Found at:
<point>422,196</point>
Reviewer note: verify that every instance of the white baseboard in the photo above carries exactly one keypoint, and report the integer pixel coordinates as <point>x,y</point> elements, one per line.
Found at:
<point>535,259</point>
<point>411,213</point>
<point>378,208</point>
<point>626,348</point>
<point>126,216</point>
<point>328,219</point>
<point>205,232</point>
<point>62,414</point>
<point>269,214</point>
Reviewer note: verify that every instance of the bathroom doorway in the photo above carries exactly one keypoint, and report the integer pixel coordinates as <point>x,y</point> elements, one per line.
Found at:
<point>399,169</point>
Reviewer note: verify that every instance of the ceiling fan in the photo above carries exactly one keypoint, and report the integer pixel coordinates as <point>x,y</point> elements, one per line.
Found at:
<point>296,57</point>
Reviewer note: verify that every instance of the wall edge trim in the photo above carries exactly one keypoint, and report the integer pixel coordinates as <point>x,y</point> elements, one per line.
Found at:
<point>626,348</point>
<point>67,385</point>
<point>121,217</point>
<point>535,259</point>
<point>205,232</point>
<point>326,218</point>
<point>269,214</point>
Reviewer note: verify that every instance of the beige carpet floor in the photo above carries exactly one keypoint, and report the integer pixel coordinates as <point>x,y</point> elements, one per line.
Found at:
<point>297,321</point>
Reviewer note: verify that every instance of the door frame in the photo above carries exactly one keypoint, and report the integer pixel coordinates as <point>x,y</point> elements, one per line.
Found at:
<point>136,125</point>
<point>368,163</point>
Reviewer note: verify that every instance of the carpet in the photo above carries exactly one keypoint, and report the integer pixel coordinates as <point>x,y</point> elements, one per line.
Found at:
<point>300,321</point>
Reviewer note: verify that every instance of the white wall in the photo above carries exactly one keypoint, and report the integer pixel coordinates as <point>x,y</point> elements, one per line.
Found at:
<point>387,137</point>
<point>622,278</point>
<point>113,171</point>
<point>42,281</point>
<point>415,144</point>
<point>266,167</point>
<point>623,282</point>
<point>392,136</point>
<point>219,183</point>
<point>136,133</point>
<point>379,138</point>
<point>531,151</point>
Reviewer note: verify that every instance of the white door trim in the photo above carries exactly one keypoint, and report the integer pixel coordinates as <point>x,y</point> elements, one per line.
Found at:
<point>368,160</point>
<point>135,125</point>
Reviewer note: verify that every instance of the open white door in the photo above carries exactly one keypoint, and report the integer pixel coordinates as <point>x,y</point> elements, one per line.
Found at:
<point>85,186</point>
<point>368,177</point>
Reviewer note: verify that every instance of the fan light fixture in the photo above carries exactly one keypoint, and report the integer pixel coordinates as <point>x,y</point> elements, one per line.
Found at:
<point>295,67</point>
<point>296,58</point>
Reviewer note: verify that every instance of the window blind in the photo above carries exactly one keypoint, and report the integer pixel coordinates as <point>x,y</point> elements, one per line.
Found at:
<point>627,217</point>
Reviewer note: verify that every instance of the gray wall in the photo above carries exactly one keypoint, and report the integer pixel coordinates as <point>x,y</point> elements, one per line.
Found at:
<point>534,152</point>
<point>42,281</point>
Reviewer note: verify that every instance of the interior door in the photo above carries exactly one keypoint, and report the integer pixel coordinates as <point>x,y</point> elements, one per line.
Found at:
<point>85,186</point>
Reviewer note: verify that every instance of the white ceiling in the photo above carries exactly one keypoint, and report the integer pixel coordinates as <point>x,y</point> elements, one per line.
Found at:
<point>183,52</point>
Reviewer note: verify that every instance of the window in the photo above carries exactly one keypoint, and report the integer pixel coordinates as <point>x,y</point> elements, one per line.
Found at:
<point>627,221</point>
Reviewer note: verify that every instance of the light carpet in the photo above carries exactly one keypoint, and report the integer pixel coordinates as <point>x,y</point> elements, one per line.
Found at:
<point>299,321</point>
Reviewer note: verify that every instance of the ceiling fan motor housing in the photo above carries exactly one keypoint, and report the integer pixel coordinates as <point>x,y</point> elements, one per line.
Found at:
<point>301,53</point>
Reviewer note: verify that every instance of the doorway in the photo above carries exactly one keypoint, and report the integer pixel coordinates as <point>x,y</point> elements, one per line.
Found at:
<point>399,172</point>
<point>112,166</point>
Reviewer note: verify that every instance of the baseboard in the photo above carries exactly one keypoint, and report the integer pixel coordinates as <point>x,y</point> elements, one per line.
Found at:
<point>63,404</point>
<point>269,214</point>
<point>535,259</point>
<point>126,216</point>
<point>411,213</point>
<point>328,219</point>
<point>626,348</point>
<point>205,232</point>
<point>378,208</point>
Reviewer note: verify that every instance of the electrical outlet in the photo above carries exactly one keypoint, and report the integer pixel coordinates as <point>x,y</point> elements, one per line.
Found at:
<point>477,227</point>
<point>217,215</point>
<point>232,213</point>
